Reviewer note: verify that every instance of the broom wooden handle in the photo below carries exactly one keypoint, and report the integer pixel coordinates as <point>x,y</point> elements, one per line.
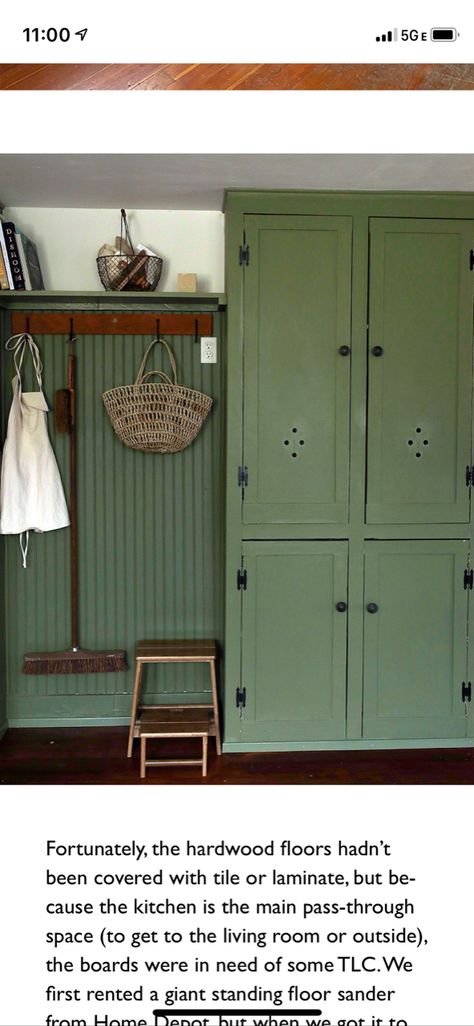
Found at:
<point>74,659</point>
<point>71,376</point>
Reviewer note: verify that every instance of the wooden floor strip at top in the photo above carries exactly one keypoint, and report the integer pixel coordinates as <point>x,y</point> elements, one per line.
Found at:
<point>49,76</point>
<point>236,76</point>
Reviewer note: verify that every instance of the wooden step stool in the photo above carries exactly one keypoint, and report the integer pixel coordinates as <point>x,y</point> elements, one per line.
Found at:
<point>174,723</point>
<point>175,652</point>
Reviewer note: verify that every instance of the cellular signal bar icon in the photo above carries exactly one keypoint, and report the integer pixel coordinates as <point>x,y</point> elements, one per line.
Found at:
<point>388,37</point>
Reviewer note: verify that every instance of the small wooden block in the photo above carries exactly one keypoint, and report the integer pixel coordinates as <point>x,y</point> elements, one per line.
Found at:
<point>187,282</point>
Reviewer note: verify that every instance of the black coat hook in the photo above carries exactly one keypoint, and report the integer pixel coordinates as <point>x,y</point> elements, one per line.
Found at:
<point>196,330</point>
<point>157,327</point>
<point>71,329</point>
<point>27,329</point>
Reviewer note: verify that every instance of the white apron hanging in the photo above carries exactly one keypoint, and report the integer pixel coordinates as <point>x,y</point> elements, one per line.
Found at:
<point>31,491</point>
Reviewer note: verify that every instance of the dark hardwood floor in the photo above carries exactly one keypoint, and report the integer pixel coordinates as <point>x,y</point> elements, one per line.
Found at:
<point>236,76</point>
<point>97,756</point>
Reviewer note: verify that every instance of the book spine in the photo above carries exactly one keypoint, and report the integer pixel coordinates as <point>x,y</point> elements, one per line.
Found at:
<point>4,282</point>
<point>6,261</point>
<point>13,256</point>
<point>30,260</point>
<point>23,261</point>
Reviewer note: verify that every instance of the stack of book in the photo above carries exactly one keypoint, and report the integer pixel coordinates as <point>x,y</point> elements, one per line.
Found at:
<point>19,262</point>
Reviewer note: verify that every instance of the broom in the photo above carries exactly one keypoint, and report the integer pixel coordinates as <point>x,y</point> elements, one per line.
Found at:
<point>74,659</point>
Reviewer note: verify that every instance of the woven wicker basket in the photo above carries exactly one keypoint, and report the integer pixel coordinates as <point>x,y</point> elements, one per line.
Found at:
<point>151,417</point>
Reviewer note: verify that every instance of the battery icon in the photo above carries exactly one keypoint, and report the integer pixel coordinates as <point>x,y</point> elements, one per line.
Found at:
<point>444,35</point>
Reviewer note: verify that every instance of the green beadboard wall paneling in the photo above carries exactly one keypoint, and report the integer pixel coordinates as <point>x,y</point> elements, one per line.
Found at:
<point>150,540</point>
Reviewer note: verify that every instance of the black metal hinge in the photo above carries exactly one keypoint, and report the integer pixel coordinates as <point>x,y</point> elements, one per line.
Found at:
<point>241,697</point>
<point>244,255</point>
<point>469,476</point>
<point>243,477</point>
<point>241,580</point>
<point>471,260</point>
<point>466,691</point>
<point>468,579</point>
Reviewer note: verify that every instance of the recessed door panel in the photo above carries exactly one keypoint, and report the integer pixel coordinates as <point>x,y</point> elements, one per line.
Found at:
<point>297,369</point>
<point>294,641</point>
<point>420,367</point>
<point>469,692</point>
<point>415,634</point>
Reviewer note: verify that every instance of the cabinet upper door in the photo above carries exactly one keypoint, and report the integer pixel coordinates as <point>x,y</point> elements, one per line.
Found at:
<point>420,370</point>
<point>296,377</point>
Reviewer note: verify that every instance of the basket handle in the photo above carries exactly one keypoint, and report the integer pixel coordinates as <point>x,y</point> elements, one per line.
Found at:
<point>160,374</point>
<point>172,360</point>
<point>125,232</point>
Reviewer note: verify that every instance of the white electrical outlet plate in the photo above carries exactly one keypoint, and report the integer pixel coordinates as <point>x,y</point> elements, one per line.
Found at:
<point>208,350</point>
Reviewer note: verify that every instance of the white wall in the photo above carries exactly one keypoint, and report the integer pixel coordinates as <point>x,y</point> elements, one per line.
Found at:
<point>68,241</point>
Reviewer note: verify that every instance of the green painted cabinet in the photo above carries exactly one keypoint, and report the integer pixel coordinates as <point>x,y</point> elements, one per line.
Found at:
<point>294,640</point>
<point>420,371</point>
<point>297,369</point>
<point>415,639</point>
<point>350,406</point>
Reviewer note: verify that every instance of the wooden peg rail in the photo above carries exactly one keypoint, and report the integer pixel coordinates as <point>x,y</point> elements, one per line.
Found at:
<point>45,322</point>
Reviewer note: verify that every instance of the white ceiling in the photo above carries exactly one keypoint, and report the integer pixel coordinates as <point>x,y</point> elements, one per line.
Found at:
<point>198,181</point>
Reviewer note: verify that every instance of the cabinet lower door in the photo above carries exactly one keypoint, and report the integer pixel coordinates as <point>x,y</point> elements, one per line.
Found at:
<point>415,639</point>
<point>294,641</point>
<point>469,691</point>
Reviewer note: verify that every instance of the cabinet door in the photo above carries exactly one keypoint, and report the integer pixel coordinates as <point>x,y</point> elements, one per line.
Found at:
<point>296,381</point>
<point>415,641</point>
<point>294,641</point>
<point>469,692</point>
<point>421,289</point>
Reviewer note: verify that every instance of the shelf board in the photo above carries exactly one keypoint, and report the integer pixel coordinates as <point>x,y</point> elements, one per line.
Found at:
<point>100,300</point>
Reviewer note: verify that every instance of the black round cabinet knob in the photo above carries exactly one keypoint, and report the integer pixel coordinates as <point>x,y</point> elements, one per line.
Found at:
<point>344,350</point>
<point>377,351</point>
<point>341,607</point>
<point>372,607</point>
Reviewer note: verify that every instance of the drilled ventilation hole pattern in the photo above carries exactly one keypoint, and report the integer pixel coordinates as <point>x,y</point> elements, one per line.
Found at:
<point>418,442</point>
<point>295,443</point>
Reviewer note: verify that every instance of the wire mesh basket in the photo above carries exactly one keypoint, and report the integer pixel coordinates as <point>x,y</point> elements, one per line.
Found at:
<point>127,271</point>
<point>121,273</point>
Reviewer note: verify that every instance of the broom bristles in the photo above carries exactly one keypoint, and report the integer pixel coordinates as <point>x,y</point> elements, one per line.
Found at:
<point>74,661</point>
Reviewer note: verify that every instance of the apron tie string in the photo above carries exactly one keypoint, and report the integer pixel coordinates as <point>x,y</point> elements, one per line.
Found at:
<point>24,546</point>
<point>17,345</point>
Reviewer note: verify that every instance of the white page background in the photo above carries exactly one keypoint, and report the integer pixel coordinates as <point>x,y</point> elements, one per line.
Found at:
<point>429,828</point>
<point>232,122</point>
